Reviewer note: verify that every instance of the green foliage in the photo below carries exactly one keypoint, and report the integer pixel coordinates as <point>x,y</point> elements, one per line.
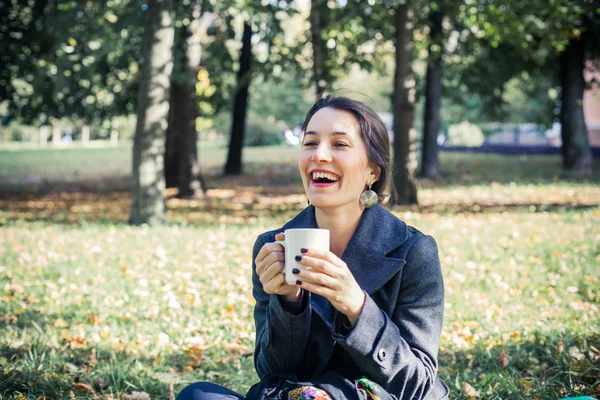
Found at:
<point>76,59</point>
<point>281,99</point>
<point>465,134</point>
<point>262,132</point>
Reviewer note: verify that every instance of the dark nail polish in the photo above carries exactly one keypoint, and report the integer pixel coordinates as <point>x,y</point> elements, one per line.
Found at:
<point>298,282</point>
<point>298,258</point>
<point>295,271</point>
<point>303,250</point>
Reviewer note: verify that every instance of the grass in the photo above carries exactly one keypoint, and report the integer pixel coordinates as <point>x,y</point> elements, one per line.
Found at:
<point>92,306</point>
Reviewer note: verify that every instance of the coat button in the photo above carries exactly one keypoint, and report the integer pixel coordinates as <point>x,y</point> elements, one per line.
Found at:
<point>382,354</point>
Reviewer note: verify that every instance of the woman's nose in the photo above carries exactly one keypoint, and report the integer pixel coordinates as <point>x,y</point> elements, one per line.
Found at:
<point>322,153</point>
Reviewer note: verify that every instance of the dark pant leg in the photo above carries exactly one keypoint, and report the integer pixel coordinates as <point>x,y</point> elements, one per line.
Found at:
<point>208,391</point>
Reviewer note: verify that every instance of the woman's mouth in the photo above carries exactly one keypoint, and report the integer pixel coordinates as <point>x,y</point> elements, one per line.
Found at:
<point>323,179</point>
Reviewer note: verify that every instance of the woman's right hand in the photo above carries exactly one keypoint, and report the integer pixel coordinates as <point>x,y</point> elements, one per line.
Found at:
<point>270,262</point>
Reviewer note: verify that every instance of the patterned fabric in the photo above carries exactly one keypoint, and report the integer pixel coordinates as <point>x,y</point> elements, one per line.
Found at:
<point>308,393</point>
<point>368,387</point>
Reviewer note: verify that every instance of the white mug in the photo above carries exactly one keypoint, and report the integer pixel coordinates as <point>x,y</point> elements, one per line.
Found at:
<point>296,239</point>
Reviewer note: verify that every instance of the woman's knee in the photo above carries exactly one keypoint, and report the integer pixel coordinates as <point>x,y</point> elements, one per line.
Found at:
<point>207,391</point>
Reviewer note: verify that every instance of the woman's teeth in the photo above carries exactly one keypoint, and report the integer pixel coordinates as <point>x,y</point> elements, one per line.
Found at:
<point>324,175</point>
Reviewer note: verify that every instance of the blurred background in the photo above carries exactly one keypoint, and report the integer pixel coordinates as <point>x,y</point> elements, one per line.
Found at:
<point>145,144</point>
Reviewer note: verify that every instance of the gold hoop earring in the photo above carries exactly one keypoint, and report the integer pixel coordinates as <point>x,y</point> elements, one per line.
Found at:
<point>369,198</point>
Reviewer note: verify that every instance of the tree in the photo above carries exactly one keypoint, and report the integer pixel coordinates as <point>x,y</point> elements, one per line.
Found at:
<point>577,155</point>
<point>240,106</point>
<point>318,19</point>
<point>148,203</point>
<point>525,40</point>
<point>404,105</point>
<point>181,153</point>
<point>433,97</point>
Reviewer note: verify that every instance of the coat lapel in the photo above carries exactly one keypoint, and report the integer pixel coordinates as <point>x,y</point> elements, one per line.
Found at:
<point>377,235</point>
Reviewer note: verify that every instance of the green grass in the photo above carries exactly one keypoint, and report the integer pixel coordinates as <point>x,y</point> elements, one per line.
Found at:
<point>87,299</point>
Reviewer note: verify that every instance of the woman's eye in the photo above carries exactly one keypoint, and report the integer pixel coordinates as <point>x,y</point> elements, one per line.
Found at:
<point>308,144</point>
<point>341,144</point>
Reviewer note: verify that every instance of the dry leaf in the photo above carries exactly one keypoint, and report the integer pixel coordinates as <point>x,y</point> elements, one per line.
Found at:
<point>575,353</point>
<point>195,354</point>
<point>560,346</point>
<point>77,342</point>
<point>503,360</point>
<point>137,396</point>
<point>8,319</point>
<point>82,387</point>
<point>469,390</point>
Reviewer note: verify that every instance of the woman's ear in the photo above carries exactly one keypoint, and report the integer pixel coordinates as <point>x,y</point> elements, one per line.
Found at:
<point>375,173</point>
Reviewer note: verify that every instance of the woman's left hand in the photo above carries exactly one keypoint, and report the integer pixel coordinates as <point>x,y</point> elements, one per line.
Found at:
<point>330,277</point>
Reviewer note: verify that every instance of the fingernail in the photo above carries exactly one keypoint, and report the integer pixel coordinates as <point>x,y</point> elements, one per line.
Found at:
<point>298,282</point>
<point>295,271</point>
<point>298,258</point>
<point>303,250</point>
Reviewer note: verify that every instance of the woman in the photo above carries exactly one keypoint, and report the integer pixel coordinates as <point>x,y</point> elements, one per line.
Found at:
<point>364,321</point>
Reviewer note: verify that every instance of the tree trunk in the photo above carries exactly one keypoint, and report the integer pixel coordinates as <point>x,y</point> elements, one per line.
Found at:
<point>148,203</point>
<point>240,106</point>
<point>317,10</point>
<point>433,99</point>
<point>172,145</point>
<point>576,147</point>
<point>189,180</point>
<point>404,107</point>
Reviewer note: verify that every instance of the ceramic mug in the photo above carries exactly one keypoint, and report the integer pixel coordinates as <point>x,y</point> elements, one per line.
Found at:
<point>296,239</point>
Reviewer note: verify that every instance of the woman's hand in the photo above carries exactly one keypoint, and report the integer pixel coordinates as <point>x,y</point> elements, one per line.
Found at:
<point>270,262</point>
<point>330,277</point>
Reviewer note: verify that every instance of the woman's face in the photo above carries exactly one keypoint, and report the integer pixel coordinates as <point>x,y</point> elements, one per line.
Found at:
<point>333,161</point>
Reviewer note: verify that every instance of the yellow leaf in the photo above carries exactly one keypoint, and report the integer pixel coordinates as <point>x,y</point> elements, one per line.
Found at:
<point>469,390</point>
<point>60,323</point>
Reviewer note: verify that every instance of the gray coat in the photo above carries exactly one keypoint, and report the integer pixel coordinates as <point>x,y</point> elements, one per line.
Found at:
<point>395,339</point>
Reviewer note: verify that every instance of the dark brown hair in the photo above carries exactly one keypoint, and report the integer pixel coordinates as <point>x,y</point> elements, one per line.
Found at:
<point>373,133</point>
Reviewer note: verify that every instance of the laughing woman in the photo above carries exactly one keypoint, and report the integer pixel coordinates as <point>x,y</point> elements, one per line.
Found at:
<point>364,321</point>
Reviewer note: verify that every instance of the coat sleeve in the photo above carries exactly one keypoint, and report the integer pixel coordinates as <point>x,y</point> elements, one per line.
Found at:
<point>399,351</point>
<point>281,335</point>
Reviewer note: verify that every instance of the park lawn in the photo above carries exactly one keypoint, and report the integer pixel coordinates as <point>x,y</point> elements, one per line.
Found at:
<point>140,308</point>
<point>92,306</point>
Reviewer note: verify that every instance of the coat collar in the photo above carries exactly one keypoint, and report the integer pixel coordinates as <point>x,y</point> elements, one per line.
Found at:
<point>379,232</point>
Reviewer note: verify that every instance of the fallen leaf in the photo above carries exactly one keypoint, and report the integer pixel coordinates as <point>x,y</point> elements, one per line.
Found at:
<point>61,323</point>
<point>171,392</point>
<point>560,346</point>
<point>77,342</point>
<point>575,353</point>
<point>195,354</point>
<point>469,390</point>
<point>503,360</point>
<point>83,387</point>
<point>8,319</point>
<point>137,396</point>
